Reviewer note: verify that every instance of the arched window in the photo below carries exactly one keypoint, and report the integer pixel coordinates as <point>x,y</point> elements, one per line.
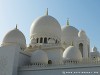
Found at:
<point>56,42</point>
<point>81,48</point>
<point>37,40</point>
<point>49,62</point>
<point>88,50</point>
<point>41,40</point>
<point>45,40</point>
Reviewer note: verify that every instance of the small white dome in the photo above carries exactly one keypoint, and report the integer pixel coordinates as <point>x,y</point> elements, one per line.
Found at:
<point>14,36</point>
<point>94,49</point>
<point>45,26</point>
<point>39,56</point>
<point>71,53</point>
<point>69,34</point>
<point>33,41</point>
<point>82,34</point>
<point>51,41</point>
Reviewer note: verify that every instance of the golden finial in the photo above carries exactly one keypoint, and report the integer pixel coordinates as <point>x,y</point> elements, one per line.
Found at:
<point>72,43</point>
<point>16,26</point>
<point>47,11</point>
<point>68,22</point>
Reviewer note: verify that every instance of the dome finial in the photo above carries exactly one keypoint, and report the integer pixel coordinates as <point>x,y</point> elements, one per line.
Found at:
<point>16,26</point>
<point>72,43</point>
<point>67,21</point>
<point>47,11</point>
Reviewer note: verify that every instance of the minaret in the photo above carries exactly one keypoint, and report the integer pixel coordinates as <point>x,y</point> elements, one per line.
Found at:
<point>68,22</point>
<point>47,12</point>
<point>16,26</point>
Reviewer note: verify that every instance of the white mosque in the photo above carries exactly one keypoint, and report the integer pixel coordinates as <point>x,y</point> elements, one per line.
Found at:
<point>52,50</point>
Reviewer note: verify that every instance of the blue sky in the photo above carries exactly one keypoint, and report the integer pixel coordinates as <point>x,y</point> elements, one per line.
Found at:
<point>83,14</point>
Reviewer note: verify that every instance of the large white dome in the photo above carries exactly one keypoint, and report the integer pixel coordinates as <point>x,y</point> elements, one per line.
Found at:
<point>46,26</point>
<point>15,36</point>
<point>39,56</point>
<point>69,34</point>
<point>71,53</point>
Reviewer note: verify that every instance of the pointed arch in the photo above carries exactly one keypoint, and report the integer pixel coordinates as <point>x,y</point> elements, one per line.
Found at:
<point>50,62</point>
<point>45,40</point>
<point>37,40</point>
<point>81,48</point>
<point>88,50</point>
<point>41,40</point>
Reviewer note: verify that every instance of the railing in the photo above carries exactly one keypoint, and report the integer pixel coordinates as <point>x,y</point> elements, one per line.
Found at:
<point>70,63</point>
<point>43,46</point>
